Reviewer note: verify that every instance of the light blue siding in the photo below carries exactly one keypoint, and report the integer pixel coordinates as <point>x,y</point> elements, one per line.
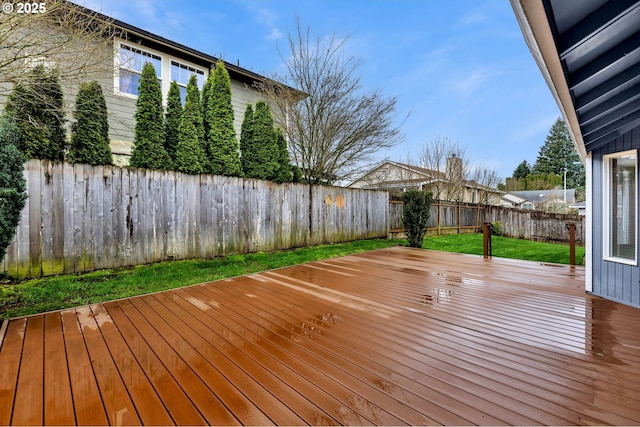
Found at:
<point>612,280</point>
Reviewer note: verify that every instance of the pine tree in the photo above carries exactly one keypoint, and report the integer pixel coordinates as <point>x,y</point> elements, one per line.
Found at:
<point>12,182</point>
<point>261,154</point>
<point>172,120</point>
<point>90,132</point>
<point>190,155</point>
<point>522,170</point>
<point>285,171</point>
<point>221,138</point>
<point>558,153</point>
<point>37,108</point>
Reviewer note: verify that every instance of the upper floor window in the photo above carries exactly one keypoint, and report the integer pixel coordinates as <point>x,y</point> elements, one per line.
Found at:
<point>620,207</point>
<point>181,74</point>
<point>130,67</point>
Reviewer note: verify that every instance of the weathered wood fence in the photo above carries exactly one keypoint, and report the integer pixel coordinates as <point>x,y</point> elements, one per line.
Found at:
<point>80,218</point>
<point>456,218</point>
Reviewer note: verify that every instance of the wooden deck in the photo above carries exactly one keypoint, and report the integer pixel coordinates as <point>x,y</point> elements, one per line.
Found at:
<point>394,336</point>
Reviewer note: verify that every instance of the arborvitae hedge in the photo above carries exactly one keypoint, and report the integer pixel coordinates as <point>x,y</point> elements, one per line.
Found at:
<point>246,137</point>
<point>415,214</point>
<point>204,102</point>
<point>12,182</point>
<point>172,120</point>
<point>221,138</point>
<point>190,155</point>
<point>261,155</point>
<point>90,132</point>
<point>148,151</point>
<point>37,108</point>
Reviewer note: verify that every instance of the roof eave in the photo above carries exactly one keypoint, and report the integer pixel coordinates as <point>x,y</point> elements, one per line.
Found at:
<point>232,69</point>
<point>537,33</point>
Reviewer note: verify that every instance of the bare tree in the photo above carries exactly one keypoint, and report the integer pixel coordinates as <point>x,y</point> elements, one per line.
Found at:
<point>486,181</point>
<point>335,131</point>
<point>449,161</point>
<point>60,35</point>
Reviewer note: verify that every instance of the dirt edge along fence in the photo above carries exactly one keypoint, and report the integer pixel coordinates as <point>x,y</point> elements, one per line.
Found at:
<point>80,218</point>
<point>455,218</point>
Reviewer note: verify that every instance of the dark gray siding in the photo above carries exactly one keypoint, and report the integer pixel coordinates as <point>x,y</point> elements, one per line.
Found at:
<point>612,280</point>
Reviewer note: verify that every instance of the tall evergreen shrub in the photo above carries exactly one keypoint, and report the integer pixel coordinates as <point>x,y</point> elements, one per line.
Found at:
<point>415,214</point>
<point>90,132</point>
<point>261,155</point>
<point>36,105</point>
<point>12,182</point>
<point>149,139</point>
<point>172,120</point>
<point>190,155</point>
<point>246,138</point>
<point>222,145</point>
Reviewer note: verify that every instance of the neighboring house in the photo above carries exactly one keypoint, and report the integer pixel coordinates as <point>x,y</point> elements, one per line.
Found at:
<point>581,207</point>
<point>589,54</point>
<point>122,62</point>
<point>556,200</point>
<point>397,178</point>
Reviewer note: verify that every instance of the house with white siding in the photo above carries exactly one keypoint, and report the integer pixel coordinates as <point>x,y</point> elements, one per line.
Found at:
<point>123,57</point>
<point>588,51</point>
<point>450,185</point>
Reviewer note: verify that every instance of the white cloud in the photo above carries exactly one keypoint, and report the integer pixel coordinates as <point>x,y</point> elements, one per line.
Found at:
<point>275,34</point>
<point>465,86</point>
<point>471,18</point>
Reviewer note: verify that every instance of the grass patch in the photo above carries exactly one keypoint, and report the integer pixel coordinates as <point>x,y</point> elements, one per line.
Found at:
<point>504,247</point>
<point>58,292</point>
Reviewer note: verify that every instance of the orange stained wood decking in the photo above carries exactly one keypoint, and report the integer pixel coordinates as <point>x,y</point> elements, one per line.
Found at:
<point>393,336</point>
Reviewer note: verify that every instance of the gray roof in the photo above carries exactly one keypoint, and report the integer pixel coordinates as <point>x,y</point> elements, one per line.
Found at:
<point>542,196</point>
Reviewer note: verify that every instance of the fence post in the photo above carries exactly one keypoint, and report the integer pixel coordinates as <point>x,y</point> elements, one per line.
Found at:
<point>486,240</point>
<point>572,242</point>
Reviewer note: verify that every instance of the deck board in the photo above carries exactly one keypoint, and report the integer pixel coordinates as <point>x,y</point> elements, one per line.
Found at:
<point>393,336</point>
<point>27,409</point>
<point>58,400</point>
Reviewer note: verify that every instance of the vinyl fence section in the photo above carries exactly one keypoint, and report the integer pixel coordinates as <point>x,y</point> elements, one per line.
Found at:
<point>81,218</point>
<point>454,218</point>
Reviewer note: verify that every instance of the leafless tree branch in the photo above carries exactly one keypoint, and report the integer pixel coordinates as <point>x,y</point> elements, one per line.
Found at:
<point>337,129</point>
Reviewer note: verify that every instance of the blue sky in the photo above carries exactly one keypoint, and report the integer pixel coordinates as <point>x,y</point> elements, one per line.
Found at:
<point>461,68</point>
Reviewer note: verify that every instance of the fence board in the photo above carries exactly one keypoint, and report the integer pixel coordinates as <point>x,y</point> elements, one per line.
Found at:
<point>516,223</point>
<point>79,217</point>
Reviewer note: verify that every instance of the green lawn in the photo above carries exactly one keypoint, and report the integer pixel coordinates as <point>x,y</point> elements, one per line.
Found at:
<point>504,247</point>
<point>53,293</point>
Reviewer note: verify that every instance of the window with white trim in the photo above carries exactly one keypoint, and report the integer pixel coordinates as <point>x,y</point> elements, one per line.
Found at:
<point>131,61</point>
<point>181,73</point>
<point>620,207</point>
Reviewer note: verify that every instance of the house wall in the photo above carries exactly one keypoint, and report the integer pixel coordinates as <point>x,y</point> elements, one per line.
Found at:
<point>612,280</point>
<point>121,107</point>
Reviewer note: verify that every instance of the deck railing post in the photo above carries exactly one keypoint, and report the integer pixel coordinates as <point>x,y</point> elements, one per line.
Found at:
<point>572,242</point>
<point>486,240</point>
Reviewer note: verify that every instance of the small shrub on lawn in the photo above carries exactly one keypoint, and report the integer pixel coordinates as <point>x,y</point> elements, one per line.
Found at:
<point>415,214</point>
